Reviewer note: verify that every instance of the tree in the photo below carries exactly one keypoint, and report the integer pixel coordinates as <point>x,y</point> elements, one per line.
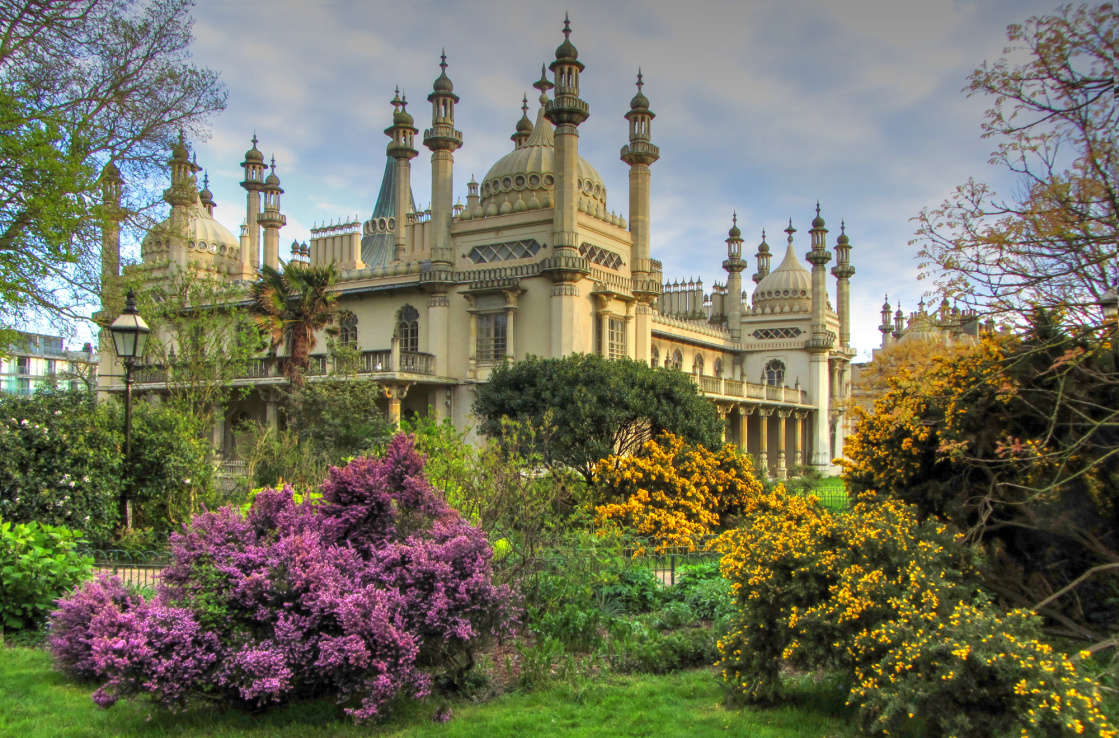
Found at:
<point>84,83</point>
<point>1054,117</point>
<point>291,305</point>
<point>202,340</point>
<point>1016,441</point>
<point>596,407</point>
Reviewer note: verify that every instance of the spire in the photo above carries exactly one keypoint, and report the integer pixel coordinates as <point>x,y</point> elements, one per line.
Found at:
<point>205,196</point>
<point>763,256</point>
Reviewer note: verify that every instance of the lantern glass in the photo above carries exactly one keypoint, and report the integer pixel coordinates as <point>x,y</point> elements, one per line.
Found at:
<point>130,332</point>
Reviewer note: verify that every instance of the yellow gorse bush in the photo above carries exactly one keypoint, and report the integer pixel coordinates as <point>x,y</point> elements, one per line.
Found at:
<point>673,492</point>
<point>894,604</point>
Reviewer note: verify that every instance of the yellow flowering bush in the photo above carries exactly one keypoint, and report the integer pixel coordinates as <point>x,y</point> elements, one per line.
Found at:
<point>673,492</point>
<point>893,604</point>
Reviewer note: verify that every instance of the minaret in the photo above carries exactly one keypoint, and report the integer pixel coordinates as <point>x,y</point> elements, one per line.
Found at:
<point>180,196</point>
<point>443,140</point>
<point>639,154</point>
<point>566,111</point>
<point>253,184</point>
<point>272,219</point>
<point>763,259</point>
<point>819,344</point>
<point>734,266</point>
<point>887,326</point>
<point>524,126</point>
<point>112,186</point>
<point>402,149</point>
<point>843,271</point>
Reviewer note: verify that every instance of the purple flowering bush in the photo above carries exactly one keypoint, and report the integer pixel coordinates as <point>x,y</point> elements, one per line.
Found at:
<point>370,594</point>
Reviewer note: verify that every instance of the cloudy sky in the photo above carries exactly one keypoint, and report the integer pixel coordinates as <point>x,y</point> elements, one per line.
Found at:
<point>762,107</point>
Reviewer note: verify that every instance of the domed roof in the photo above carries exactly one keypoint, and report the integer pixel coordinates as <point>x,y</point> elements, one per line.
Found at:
<point>567,50</point>
<point>205,240</point>
<point>788,288</point>
<point>527,174</point>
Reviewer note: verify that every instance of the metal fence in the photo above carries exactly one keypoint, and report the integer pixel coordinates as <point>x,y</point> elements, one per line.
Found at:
<point>135,568</point>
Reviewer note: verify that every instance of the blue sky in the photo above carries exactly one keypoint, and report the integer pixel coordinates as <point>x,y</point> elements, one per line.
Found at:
<point>762,107</point>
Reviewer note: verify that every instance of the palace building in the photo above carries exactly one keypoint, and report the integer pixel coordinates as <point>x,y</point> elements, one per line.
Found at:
<point>534,262</point>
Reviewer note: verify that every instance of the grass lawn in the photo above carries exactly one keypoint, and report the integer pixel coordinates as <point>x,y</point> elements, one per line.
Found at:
<point>37,702</point>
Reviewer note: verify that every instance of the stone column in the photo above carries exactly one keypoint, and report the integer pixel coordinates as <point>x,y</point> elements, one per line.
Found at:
<point>395,392</point>
<point>743,429</point>
<point>798,437</point>
<point>763,445</point>
<point>781,471</point>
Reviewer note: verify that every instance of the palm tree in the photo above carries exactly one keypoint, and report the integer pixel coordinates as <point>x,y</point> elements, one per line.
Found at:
<point>292,304</point>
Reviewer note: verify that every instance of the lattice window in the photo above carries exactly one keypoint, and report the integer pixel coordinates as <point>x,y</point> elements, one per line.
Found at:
<point>775,373</point>
<point>697,365</point>
<point>408,328</point>
<point>492,252</point>
<point>767,333</point>
<point>677,359</point>
<point>492,332</point>
<point>601,257</point>
<point>347,328</point>
<point>616,338</point>
<point>655,358</point>
<point>718,367</point>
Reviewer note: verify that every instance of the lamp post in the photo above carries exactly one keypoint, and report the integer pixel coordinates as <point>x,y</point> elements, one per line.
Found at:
<point>130,337</point>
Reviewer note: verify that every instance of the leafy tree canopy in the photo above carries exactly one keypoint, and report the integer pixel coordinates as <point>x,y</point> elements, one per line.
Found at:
<point>1051,243</point>
<point>596,407</point>
<point>84,83</point>
<point>291,305</point>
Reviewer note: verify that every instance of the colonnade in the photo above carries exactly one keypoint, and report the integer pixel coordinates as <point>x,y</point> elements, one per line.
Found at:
<point>777,437</point>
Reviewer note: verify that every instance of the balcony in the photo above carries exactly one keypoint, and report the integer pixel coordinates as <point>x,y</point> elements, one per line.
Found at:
<point>369,362</point>
<point>732,388</point>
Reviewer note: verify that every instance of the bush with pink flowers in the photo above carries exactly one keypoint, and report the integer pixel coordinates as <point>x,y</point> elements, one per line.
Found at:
<point>370,594</point>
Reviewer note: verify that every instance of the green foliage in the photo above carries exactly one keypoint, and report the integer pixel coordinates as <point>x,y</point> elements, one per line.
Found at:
<point>338,417</point>
<point>291,305</point>
<point>596,407</point>
<point>894,606</point>
<point>502,486</point>
<point>171,473</point>
<point>38,564</point>
<point>1014,441</point>
<point>660,651</point>
<point>327,423</point>
<point>82,84</point>
<point>202,340</point>
<point>60,462</point>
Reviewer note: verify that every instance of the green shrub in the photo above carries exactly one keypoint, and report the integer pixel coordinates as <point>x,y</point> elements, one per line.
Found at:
<point>894,606</point>
<point>38,564</point>
<point>60,462</point>
<point>704,590</point>
<point>655,652</point>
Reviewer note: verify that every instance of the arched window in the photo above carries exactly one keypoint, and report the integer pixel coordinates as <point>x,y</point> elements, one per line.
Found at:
<point>775,373</point>
<point>655,357</point>
<point>677,359</point>
<point>408,328</point>
<point>697,365</point>
<point>718,367</point>
<point>347,328</point>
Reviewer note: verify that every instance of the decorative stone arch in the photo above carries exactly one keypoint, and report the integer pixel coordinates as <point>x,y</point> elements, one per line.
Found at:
<point>717,368</point>
<point>654,357</point>
<point>697,365</point>
<point>677,359</point>
<point>347,328</point>
<point>408,328</point>
<point>774,373</point>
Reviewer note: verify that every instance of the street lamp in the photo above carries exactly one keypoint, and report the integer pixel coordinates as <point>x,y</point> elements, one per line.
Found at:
<point>130,337</point>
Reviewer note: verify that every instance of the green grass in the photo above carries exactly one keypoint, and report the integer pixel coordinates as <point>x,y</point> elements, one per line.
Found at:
<point>37,702</point>
<point>832,493</point>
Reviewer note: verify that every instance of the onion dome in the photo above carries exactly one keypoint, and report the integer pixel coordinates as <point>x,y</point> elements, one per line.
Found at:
<point>111,172</point>
<point>817,222</point>
<point>203,239</point>
<point>443,82</point>
<point>886,305</point>
<point>254,154</point>
<point>402,117</point>
<point>735,232</point>
<point>566,51</point>
<point>524,125</point>
<point>639,101</point>
<point>842,240</point>
<point>179,148</point>
<point>272,180</point>
<point>788,288</point>
<point>763,247</point>
<point>205,196</point>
